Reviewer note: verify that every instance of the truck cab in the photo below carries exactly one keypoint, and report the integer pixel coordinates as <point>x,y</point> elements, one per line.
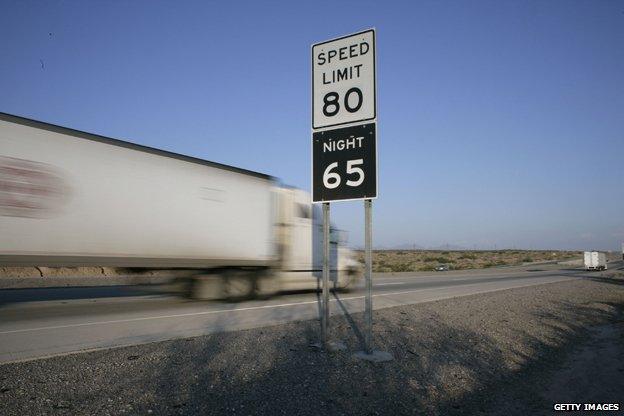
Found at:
<point>300,244</point>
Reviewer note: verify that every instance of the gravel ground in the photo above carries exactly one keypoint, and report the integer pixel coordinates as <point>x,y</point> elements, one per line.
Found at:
<point>504,353</point>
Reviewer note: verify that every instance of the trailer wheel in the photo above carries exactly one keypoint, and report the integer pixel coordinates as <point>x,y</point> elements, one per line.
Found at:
<point>207,287</point>
<point>239,284</point>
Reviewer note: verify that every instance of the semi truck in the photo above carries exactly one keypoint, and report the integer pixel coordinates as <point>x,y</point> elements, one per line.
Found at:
<point>71,198</point>
<point>595,260</point>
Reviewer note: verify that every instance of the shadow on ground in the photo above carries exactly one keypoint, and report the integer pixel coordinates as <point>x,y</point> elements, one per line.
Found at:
<point>439,368</point>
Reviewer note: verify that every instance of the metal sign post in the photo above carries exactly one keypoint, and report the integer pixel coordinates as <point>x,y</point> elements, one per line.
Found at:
<point>368,267</point>
<point>369,353</point>
<point>325,343</point>
<point>325,303</point>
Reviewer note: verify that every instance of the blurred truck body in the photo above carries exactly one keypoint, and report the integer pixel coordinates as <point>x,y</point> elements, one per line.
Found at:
<point>70,198</point>
<point>595,260</point>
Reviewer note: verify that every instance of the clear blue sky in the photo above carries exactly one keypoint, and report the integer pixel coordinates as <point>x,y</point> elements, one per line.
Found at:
<point>500,122</point>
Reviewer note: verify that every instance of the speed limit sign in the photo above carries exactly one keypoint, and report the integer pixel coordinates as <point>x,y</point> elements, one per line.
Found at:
<point>345,164</point>
<point>344,115</point>
<point>343,80</point>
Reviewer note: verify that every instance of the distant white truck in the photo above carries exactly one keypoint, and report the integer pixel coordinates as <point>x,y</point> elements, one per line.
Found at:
<point>595,260</point>
<point>70,198</point>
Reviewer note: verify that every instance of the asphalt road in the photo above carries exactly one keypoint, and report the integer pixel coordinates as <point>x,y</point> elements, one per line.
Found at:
<point>36,323</point>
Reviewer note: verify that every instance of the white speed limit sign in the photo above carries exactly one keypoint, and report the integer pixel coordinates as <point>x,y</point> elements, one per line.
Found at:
<point>343,80</point>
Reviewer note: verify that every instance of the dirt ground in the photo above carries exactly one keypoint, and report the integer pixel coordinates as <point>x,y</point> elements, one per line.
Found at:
<point>427,260</point>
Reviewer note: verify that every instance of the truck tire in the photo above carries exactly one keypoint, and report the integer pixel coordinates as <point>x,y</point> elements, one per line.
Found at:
<point>267,284</point>
<point>239,284</point>
<point>207,287</point>
<point>345,279</point>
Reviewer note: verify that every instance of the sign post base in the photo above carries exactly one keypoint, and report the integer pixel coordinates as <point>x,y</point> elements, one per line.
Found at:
<point>374,356</point>
<point>330,346</point>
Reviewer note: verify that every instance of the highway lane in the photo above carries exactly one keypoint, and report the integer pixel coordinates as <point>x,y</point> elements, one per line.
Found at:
<point>36,323</point>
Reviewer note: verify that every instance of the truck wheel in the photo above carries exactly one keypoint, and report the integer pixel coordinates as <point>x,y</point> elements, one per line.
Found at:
<point>207,287</point>
<point>239,284</point>
<point>268,284</point>
<point>178,286</point>
<point>345,279</point>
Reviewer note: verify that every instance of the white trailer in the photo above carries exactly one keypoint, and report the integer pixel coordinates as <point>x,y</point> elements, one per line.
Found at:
<point>595,260</point>
<point>70,198</point>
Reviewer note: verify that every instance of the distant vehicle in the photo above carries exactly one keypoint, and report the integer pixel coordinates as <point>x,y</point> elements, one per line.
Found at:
<point>70,198</point>
<point>595,260</point>
<point>442,268</point>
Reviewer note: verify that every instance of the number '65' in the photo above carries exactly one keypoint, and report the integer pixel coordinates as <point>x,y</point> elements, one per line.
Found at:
<point>332,180</point>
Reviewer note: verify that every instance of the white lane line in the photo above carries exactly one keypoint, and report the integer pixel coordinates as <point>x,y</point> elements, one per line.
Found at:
<point>145,318</point>
<point>251,308</point>
<point>389,284</point>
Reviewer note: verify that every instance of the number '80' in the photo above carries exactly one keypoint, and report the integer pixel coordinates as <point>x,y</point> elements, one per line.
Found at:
<point>331,104</point>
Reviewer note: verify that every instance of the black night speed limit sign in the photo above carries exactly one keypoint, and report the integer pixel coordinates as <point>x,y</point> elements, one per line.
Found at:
<point>344,115</point>
<point>345,164</point>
